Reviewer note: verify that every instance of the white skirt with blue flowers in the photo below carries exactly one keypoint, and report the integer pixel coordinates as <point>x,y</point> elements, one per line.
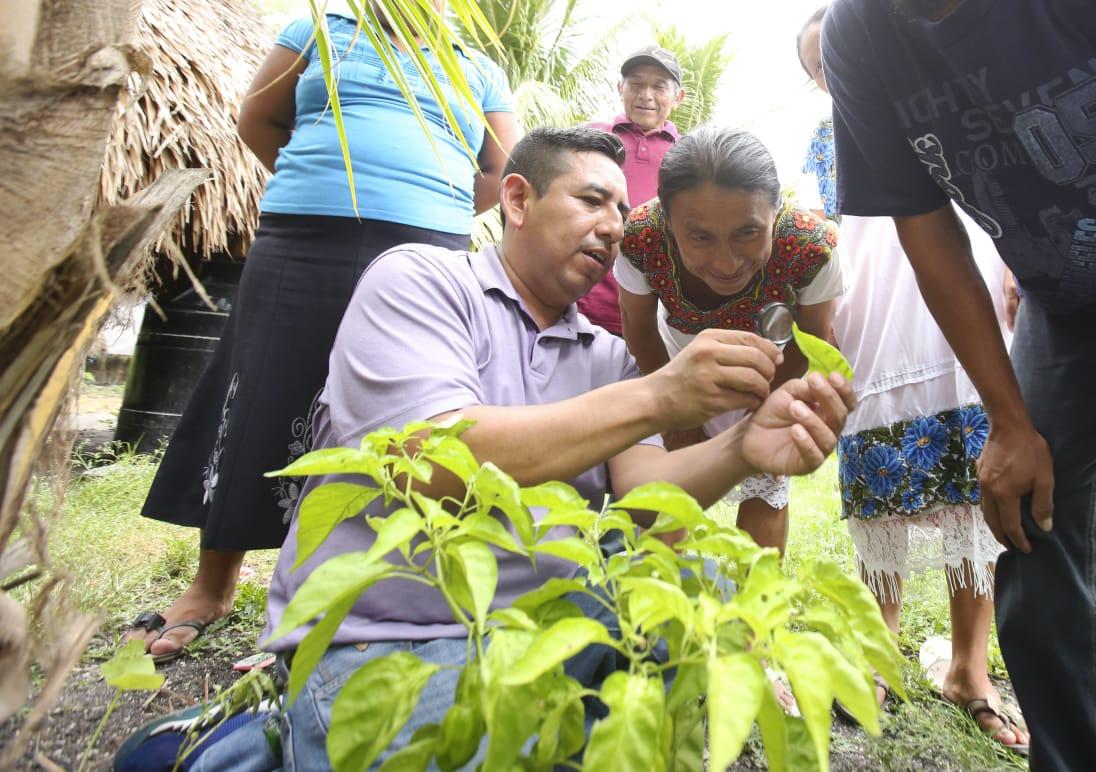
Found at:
<point>910,493</point>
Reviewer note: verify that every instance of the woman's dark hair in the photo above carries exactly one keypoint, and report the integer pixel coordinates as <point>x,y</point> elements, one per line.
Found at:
<point>814,18</point>
<point>731,158</point>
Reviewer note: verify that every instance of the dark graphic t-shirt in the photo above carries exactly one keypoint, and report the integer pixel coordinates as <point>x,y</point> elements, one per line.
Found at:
<point>993,107</point>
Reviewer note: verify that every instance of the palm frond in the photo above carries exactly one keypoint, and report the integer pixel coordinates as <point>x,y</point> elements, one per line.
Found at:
<point>702,68</point>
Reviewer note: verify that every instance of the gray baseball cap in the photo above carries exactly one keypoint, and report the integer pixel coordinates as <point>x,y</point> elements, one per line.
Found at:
<point>653,54</point>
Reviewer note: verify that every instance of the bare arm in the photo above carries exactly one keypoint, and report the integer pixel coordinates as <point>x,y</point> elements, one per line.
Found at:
<point>1016,460</point>
<point>492,158</point>
<point>718,372</point>
<point>791,433</point>
<point>269,108</point>
<point>639,321</point>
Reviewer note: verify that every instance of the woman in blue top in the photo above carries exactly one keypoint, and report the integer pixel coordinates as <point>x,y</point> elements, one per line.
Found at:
<point>250,413</point>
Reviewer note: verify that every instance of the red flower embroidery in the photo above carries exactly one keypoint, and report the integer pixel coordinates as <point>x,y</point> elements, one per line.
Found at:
<point>813,253</point>
<point>787,247</point>
<point>804,221</point>
<point>831,236</point>
<point>649,239</point>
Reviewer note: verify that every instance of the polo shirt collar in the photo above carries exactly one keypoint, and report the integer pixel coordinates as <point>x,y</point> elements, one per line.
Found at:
<point>492,277</point>
<point>668,128</point>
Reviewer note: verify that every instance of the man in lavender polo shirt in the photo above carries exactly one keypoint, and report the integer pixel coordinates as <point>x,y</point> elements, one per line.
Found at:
<point>650,88</point>
<point>496,337</point>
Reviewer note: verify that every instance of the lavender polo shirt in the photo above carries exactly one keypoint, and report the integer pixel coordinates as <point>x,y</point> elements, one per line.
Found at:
<point>429,331</point>
<point>643,155</point>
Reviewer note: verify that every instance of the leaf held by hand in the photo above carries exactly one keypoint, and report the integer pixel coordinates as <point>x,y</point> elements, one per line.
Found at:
<point>821,356</point>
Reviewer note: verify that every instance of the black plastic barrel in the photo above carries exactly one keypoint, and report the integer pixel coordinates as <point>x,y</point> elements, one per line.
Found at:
<point>171,354</point>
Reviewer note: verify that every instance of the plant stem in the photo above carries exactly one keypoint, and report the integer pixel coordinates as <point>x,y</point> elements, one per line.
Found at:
<point>99,729</point>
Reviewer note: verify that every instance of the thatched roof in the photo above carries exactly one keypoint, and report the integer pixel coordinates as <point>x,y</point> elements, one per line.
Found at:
<point>202,56</point>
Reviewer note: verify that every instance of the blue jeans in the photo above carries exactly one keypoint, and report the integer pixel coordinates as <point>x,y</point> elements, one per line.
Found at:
<point>1046,601</point>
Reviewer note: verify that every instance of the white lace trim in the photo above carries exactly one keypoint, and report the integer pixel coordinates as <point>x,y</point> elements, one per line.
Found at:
<point>953,537</point>
<point>772,489</point>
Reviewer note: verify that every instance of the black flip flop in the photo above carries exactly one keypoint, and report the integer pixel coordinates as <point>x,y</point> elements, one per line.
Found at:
<point>149,621</point>
<point>171,656</point>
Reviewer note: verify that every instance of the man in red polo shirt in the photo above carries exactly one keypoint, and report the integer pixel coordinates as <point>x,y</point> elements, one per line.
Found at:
<point>650,87</point>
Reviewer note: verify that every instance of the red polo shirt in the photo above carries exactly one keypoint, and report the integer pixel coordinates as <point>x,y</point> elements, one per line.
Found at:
<point>643,156</point>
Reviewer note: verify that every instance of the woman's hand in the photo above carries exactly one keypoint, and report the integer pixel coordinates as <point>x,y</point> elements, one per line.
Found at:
<point>798,425</point>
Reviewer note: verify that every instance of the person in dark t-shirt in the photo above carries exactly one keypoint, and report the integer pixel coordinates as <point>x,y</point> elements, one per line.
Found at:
<point>990,105</point>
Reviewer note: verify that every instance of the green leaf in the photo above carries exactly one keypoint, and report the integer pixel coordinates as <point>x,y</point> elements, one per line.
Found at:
<point>550,590</point>
<point>818,673</point>
<point>334,580</point>
<point>459,737</point>
<point>415,756</point>
<point>763,601</point>
<point>849,593</point>
<point>481,573</point>
<point>821,356</point>
<point>773,726</point>
<point>582,519</point>
<point>735,686</point>
<point>512,617</point>
<point>652,602</point>
<point>628,738</point>
<point>559,642</point>
<point>688,741</point>
<point>496,489</point>
<point>487,528</point>
<point>324,508</point>
<point>553,495</point>
<point>330,461</point>
<point>665,498</point>
<point>690,684</point>
<point>451,454</point>
<point>372,706</point>
<point>393,532</point>
<point>314,645</point>
<point>131,669</point>
<point>573,549</point>
<point>732,544</point>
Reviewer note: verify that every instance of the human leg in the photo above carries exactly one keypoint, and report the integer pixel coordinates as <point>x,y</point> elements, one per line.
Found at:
<point>967,678</point>
<point>208,598</point>
<point>1046,600</point>
<point>766,525</point>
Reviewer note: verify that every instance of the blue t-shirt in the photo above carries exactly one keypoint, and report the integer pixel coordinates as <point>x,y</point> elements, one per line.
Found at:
<point>994,107</point>
<point>397,173</point>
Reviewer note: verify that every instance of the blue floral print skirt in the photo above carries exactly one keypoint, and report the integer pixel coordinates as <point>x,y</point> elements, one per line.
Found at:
<point>912,465</point>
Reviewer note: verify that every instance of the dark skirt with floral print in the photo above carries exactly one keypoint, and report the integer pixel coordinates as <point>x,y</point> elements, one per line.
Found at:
<point>251,411</point>
<point>914,465</point>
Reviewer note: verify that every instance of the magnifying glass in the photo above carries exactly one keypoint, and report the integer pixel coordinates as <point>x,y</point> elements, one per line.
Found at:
<point>775,323</point>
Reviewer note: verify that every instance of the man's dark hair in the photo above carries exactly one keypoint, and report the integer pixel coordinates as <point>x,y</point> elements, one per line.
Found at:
<point>731,158</point>
<point>542,154</point>
<point>814,18</point>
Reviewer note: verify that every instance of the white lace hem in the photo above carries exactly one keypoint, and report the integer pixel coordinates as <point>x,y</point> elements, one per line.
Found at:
<point>772,489</point>
<point>952,537</point>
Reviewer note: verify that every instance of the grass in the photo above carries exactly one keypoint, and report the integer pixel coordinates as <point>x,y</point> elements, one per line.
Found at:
<point>123,564</point>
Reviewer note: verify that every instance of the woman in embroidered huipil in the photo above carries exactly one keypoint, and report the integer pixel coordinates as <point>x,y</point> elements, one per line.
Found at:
<point>906,461</point>
<point>712,250</point>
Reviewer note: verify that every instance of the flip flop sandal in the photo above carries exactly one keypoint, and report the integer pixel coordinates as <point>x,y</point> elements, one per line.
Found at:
<point>170,656</point>
<point>149,621</point>
<point>979,707</point>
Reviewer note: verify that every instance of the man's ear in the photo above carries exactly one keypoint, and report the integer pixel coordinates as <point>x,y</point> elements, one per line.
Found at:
<point>515,195</point>
<point>680,97</point>
<point>620,88</point>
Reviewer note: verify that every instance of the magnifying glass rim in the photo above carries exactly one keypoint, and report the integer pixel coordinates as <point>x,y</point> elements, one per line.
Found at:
<point>767,312</point>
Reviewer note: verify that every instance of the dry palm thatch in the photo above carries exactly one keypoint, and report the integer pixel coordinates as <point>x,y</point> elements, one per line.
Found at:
<point>202,58</point>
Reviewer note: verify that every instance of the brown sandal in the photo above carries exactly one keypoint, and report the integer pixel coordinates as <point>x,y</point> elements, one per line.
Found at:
<point>980,707</point>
